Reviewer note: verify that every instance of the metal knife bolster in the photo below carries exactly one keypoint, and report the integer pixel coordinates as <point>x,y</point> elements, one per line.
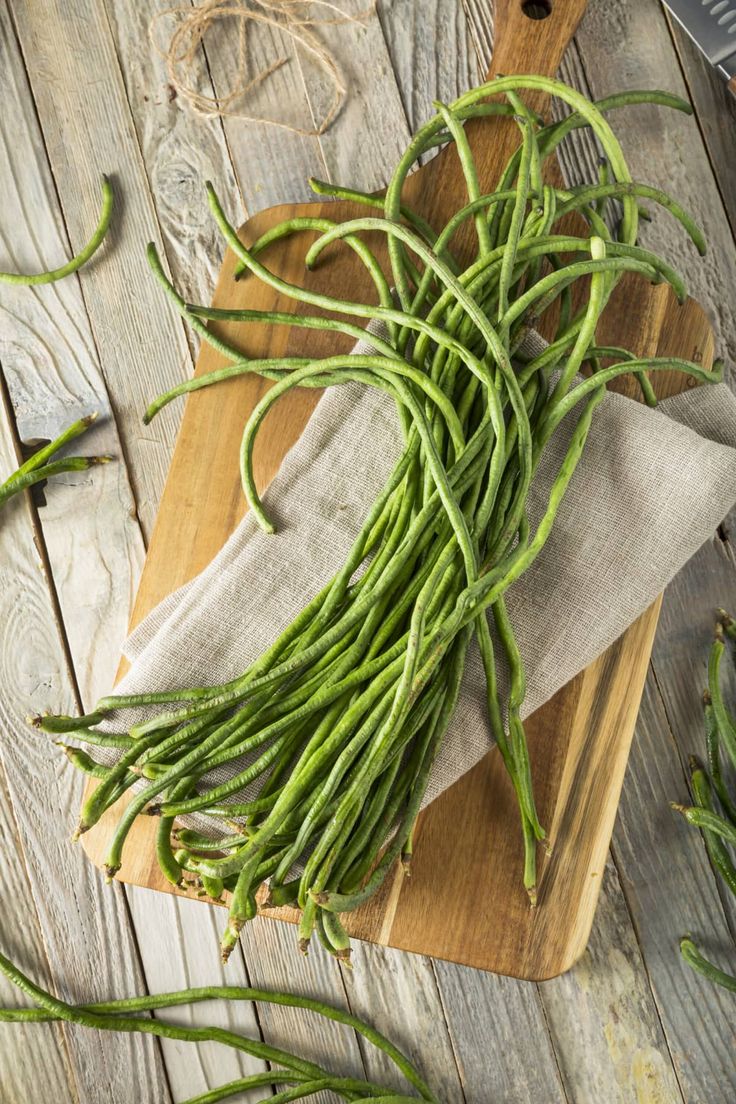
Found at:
<point>711,24</point>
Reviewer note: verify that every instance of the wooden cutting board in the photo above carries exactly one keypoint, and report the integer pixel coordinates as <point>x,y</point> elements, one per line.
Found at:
<point>465,900</point>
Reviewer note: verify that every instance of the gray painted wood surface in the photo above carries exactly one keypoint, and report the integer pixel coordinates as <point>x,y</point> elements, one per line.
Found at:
<point>84,91</point>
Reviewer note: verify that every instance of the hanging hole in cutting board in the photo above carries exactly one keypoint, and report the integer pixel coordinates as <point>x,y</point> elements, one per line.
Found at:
<point>537,9</point>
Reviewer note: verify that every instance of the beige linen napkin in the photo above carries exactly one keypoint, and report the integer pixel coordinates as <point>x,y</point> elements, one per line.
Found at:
<point>651,487</point>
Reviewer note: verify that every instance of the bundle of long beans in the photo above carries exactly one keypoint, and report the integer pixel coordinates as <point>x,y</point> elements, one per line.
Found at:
<point>331,734</point>
<point>305,1078</point>
<point>41,465</point>
<point>714,808</point>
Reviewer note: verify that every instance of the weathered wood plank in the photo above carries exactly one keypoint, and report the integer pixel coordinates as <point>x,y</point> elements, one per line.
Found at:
<point>82,108</point>
<point>371,132</point>
<point>668,150</point>
<point>431,53</point>
<point>85,928</point>
<point>273,961</point>
<point>480,26</point>
<point>30,1054</point>
<point>398,994</point>
<point>499,1036</point>
<point>715,109</point>
<point>95,561</point>
<point>670,890</point>
<point>607,1036</point>
<point>272,165</point>
<point>180,152</point>
<point>52,371</point>
<point>680,658</point>
<point>178,944</point>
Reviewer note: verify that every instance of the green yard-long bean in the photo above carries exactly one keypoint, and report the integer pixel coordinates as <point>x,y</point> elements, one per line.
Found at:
<point>342,717</point>
<point>130,1015</point>
<point>714,797</point>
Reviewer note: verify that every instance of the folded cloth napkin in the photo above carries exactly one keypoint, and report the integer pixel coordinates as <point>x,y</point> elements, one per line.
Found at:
<point>651,487</point>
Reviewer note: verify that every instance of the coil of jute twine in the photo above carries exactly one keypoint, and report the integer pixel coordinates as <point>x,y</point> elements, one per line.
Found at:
<point>298,20</point>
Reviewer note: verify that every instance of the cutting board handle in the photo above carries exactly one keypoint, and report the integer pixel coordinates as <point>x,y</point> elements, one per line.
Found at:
<point>522,44</point>
<point>530,36</point>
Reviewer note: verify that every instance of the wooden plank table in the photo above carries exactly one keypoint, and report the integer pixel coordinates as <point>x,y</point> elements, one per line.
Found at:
<point>84,92</point>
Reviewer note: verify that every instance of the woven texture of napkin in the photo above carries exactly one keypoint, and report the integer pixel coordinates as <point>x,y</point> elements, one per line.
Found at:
<point>651,487</point>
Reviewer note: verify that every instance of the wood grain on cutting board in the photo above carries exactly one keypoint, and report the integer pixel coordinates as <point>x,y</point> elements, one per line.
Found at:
<point>465,900</point>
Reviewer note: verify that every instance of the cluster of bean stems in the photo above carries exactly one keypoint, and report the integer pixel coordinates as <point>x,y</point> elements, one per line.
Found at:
<point>41,464</point>
<point>331,734</point>
<point>304,1078</point>
<point>714,808</point>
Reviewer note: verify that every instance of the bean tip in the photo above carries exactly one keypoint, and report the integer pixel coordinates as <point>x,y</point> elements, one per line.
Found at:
<point>226,949</point>
<point>532,893</point>
<point>304,947</point>
<point>725,619</point>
